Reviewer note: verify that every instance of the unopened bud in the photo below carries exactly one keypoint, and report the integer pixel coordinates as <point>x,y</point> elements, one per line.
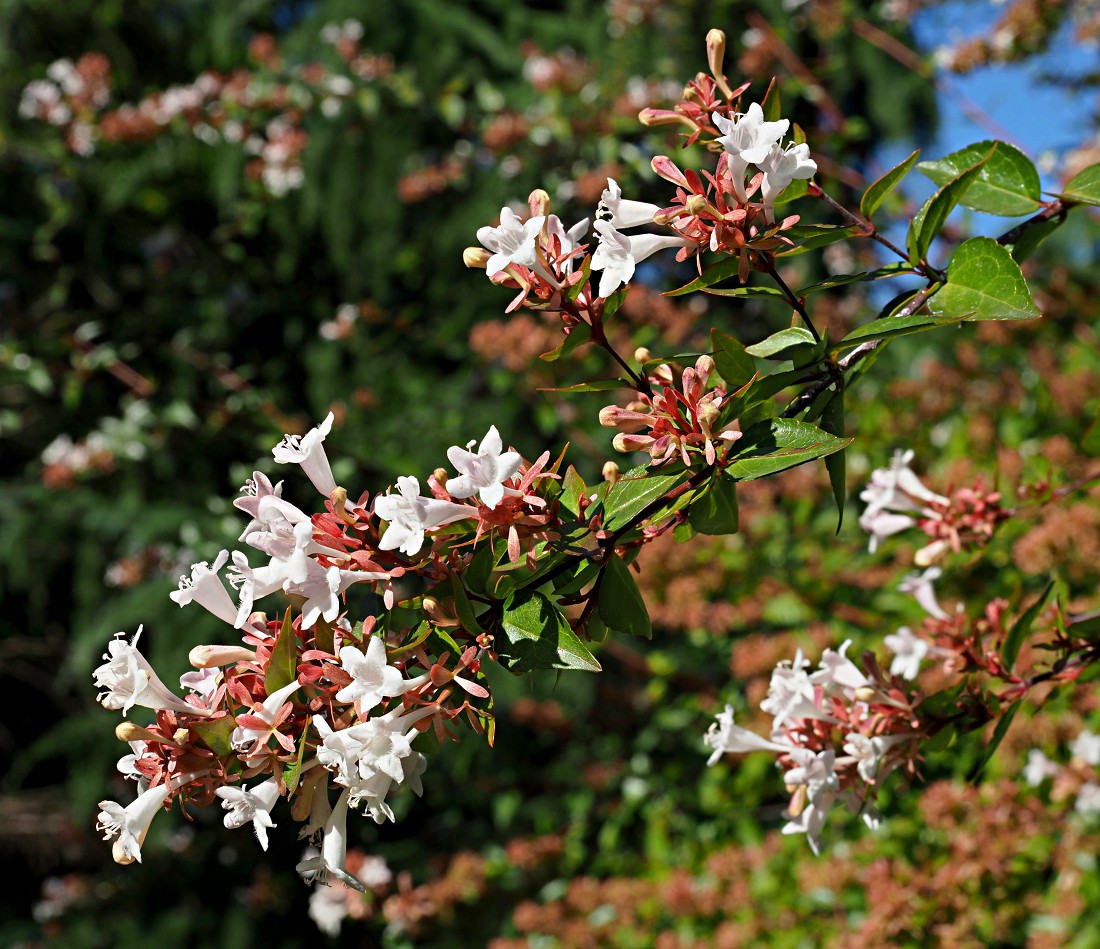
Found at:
<point>610,472</point>
<point>609,416</point>
<point>440,476</point>
<point>716,55</point>
<point>663,373</point>
<point>476,258</point>
<point>208,657</point>
<point>707,413</point>
<point>642,355</point>
<point>539,202</point>
<point>627,443</point>
<point>697,205</point>
<point>180,736</point>
<point>430,605</point>
<point>866,693</point>
<point>128,731</point>
<point>651,117</point>
<point>704,366</point>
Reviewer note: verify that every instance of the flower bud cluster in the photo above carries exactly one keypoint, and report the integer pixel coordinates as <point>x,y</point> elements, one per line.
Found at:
<point>673,421</point>
<point>837,733</point>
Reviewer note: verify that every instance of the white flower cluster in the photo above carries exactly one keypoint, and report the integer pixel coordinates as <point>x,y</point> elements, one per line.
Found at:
<point>896,499</point>
<point>1085,753</point>
<point>834,741</point>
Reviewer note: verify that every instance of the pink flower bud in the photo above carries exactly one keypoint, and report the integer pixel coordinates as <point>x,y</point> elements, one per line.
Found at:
<point>477,258</point>
<point>628,443</point>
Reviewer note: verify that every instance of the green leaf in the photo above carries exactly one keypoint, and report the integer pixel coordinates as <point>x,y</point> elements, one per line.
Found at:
<point>773,292</point>
<point>832,421</point>
<point>984,283</point>
<point>1084,186</point>
<point>323,637</point>
<point>282,669</point>
<point>777,444</point>
<point>839,280</point>
<point>292,773</point>
<point>620,603</point>
<point>1014,638</point>
<point>596,385</point>
<point>714,510</point>
<point>481,565</point>
<point>894,326</point>
<point>810,236</point>
<point>535,635</point>
<point>781,342</point>
<point>723,270</point>
<point>881,189</point>
<point>795,190</point>
<point>633,492</point>
<point>734,365</point>
<point>612,303</point>
<point>215,734</point>
<point>998,736</point>
<point>586,271</point>
<point>463,607</point>
<point>1031,237</point>
<point>580,334</point>
<point>1007,183</point>
<point>572,487</point>
<point>933,213</point>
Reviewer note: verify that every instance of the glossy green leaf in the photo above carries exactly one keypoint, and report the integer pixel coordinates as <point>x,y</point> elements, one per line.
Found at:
<point>1007,184</point>
<point>580,334</point>
<point>795,190</point>
<point>894,326</point>
<point>839,280</point>
<point>931,216</point>
<point>535,635</point>
<point>292,771</point>
<point>782,342</point>
<point>734,365</point>
<point>777,444</point>
<point>984,283</point>
<point>620,602</point>
<point>216,734</point>
<point>999,733</point>
<point>832,421</point>
<point>572,487</point>
<point>1016,634</point>
<point>463,608</point>
<point>880,190</point>
<point>596,385</point>
<point>810,236</point>
<point>714,509</point>
<point>1084,186</point>
<point>635,491</point>
<point>723,270</point>
<point>282,669</point>
<point>745,292</point>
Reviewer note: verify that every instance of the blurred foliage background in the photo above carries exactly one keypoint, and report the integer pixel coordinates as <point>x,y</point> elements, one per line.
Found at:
<point>237,217</point>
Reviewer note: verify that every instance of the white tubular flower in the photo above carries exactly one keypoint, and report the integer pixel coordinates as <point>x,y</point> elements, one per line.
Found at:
<point>309,451</point>
<point>867,752</point>
<point>893,495</point>
<point>1038,768</point>
<point>811,822</point>
<point>622,213</point>
<point>205,587</point>
<point>253,806</point>
<point>747,136</point>
<point>408,516</point>
<point>919,585</point>
<point>254,490</point>
<point>816,771</point>
<point>130,824</point>
<point>332,861</point>
<point>372,678</point>
<point>727,738</point>
<point>1086,747</point>
<point>128,680</point>
<point>837,669</point>
<point>512,242</point>
<point>323,588</point>
<point>250,741</point>
<point>791,694</point>
<point>908,652</point>
<point>781,166</point>
<point>483,474</point>
<point>285,534</point>
<point>617,255</point>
